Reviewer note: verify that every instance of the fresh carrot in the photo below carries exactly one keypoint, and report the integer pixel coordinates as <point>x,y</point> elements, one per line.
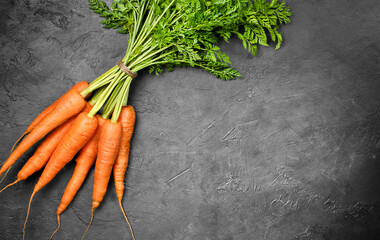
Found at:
<point>127,121</point>
<point>45,150</point>
<point>79,87</point>
<point>84,162</point>
<point>108,147</point>
<point>81,132</point>
<point>69,105</point>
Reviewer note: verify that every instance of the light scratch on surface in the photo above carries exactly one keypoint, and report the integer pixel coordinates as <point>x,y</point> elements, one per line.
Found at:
<point>178,175</point>
<point>211,125</point>
<point>130,187</point>
<point>271,134</point>
<point>300,95</point>
<point>228,133</point>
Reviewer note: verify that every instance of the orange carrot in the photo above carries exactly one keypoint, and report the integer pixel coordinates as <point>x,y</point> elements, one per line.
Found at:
<point>45,150</point>
<point>84,162</point>
<point>127,120</point>
<point>81,132</point>
<point>69,105</point>
<point>79,87</point>
<point>108,148</point>
<point>47,147</point>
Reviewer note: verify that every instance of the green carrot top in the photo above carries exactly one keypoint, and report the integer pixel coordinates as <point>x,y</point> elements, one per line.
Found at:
<point>176,33</point>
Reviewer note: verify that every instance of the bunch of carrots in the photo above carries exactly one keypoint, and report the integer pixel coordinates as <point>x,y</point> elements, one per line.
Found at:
<point>74,129</point>
<point>162,34</point>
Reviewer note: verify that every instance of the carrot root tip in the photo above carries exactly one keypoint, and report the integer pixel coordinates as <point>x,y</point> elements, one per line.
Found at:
<point>17,180</point>
<point>18,140</point>
<point>126,219</point>
<point>92,217</point>
<point>5,174</point>
<point>27,215</point>
<point>59,226</point>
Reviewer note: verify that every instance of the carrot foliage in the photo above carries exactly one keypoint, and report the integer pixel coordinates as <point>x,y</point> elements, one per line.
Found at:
<point>163,34</point>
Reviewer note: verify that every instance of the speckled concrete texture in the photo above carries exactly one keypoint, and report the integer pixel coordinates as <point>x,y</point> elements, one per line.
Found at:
<point>289,151</point>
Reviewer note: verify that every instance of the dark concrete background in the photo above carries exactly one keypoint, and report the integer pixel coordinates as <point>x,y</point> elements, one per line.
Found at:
<point>289,151</point>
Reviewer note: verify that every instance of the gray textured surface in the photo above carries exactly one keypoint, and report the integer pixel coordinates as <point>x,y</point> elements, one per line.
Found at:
<point>289,151</point>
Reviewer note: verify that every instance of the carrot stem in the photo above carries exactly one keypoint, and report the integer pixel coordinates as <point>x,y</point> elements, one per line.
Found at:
<point>125,99</point>
<point>56,230</point>
<point>17,180</point>
<point>126,219</point>
<point>96,96</point>
<point>105,95</point>
<point>121,99</point>
<point>101,81</point>
<point>110,105</point>
<point>92,217</point>
<point>143,58</point>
